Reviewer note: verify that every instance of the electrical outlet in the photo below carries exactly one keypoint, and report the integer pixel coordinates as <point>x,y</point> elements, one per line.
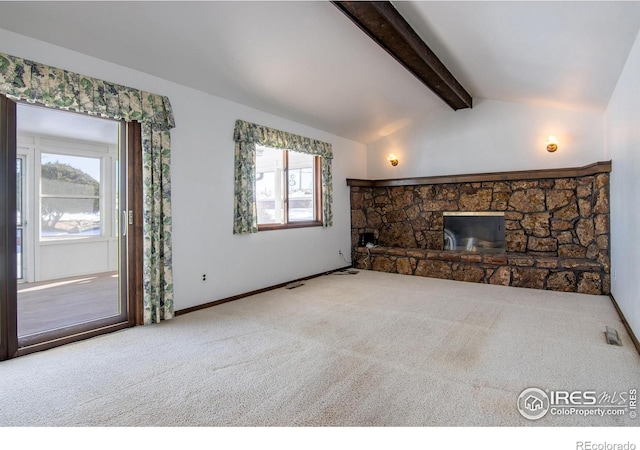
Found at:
<point>204,277</point>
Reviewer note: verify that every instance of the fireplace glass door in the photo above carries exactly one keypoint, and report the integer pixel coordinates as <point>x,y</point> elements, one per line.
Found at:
<point>474,231</point>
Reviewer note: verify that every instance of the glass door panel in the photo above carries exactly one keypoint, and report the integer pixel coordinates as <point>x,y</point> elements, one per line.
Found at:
<point>77,281</point>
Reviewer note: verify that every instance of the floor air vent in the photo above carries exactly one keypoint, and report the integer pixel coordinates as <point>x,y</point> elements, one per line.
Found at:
<point>346,272</point>
<point>612,336</point>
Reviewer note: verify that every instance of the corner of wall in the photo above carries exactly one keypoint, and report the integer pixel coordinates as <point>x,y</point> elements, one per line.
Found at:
<point>621,142</point>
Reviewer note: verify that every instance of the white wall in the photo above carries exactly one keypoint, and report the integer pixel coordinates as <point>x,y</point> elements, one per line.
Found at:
<point>202,187</point>
<point>493,136</point>
<point>622,121</point>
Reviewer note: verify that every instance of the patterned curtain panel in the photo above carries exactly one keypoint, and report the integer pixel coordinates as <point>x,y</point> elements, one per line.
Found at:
<point>245,218</point>
<point>156,209</point>
<point>246,135</point>
<point>21,79</point>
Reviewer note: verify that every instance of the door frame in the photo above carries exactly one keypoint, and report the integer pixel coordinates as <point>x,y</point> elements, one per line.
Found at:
<point>131,223</point>
<point>133,136</point>
<point>8,272</point>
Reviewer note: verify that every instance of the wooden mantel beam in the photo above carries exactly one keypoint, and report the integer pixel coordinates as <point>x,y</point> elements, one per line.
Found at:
<point>540,174</point>
<point>384,24</point>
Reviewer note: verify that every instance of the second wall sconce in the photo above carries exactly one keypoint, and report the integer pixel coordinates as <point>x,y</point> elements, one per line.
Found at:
<point>393,159</point>
<point>552,144</point>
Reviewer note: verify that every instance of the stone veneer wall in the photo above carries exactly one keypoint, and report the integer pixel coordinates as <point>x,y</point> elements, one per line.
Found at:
<point>556,237</point>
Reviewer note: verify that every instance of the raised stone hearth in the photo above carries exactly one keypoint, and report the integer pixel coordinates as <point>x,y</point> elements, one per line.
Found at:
<point>556,227</point>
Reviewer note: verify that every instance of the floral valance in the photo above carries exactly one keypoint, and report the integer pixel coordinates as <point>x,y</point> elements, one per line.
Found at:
<point>270,137</point>
<point>22,79</point>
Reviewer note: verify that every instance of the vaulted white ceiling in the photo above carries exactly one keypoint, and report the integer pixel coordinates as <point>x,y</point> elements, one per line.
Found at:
<point>307,62</point>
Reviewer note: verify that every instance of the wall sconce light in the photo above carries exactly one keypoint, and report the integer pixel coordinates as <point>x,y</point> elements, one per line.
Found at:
<point>552,144</point>
<point>393,159</point>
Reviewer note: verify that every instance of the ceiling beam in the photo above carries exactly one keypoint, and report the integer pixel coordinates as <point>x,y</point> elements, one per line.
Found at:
<point>384,24</point>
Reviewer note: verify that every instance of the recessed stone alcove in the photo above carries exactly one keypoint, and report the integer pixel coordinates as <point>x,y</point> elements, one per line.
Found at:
<point>556,227</point>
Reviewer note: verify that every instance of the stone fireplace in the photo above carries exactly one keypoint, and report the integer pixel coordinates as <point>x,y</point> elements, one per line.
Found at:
<point>555,224</point>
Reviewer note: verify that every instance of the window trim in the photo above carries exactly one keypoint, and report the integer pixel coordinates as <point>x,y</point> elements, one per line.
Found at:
<point>317,194</point>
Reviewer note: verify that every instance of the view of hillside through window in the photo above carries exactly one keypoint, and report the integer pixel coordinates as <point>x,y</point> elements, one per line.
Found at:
<point>70,196</point>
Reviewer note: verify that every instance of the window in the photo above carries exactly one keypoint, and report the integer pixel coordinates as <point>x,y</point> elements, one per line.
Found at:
<point>70,196</point>
<point>287,188</point>
<point>289,175</point>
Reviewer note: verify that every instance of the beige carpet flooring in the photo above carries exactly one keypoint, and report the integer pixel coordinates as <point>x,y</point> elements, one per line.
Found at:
<point>371,349</point>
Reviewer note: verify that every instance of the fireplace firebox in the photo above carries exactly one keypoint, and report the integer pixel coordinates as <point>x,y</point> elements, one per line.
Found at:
<point>474,231</point>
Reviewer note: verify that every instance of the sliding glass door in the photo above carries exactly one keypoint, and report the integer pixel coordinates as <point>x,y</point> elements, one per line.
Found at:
<point>65,218</point>
<point>75,273</point>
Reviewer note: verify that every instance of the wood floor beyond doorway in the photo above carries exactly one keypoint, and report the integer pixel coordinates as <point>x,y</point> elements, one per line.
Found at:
<point>56,304</point>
